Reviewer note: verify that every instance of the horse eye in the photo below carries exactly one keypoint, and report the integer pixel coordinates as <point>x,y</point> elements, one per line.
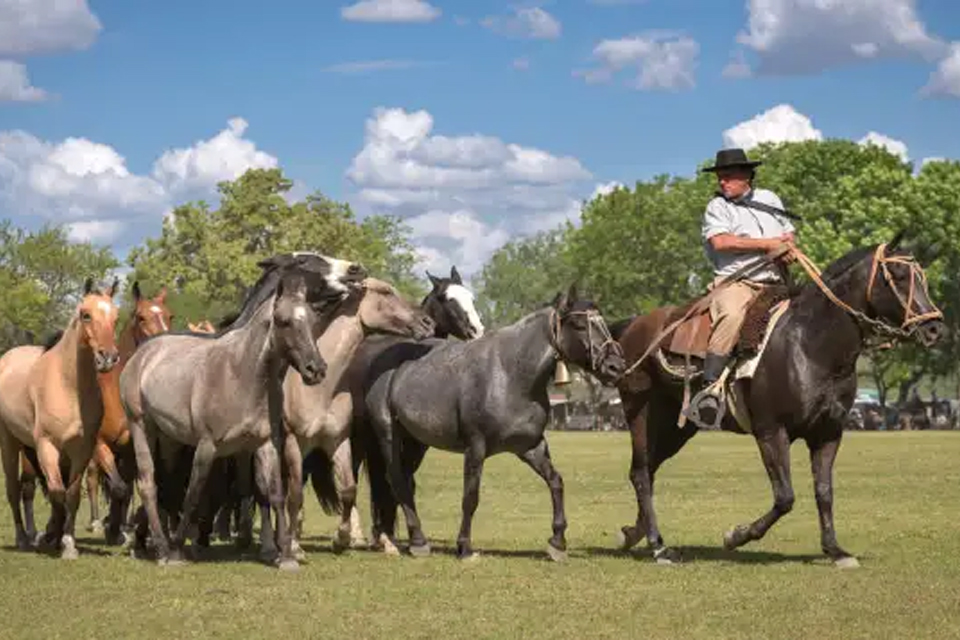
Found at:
<point>86,317</point>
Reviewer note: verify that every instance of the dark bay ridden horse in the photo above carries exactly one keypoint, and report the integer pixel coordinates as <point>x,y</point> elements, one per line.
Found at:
<point>484,397</point>
<point>220,393</point>
<point>803,386</point>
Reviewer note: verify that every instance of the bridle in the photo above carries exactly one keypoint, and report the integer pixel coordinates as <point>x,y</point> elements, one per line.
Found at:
<point>594,322</point>
<point>881,261</point>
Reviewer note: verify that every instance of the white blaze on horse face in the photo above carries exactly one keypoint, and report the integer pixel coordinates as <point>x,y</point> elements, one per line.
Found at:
<point>338,272</point>
<point>462,296</point>
<point>300,313</point>
<point>105,307</point>
<point>157,311</point>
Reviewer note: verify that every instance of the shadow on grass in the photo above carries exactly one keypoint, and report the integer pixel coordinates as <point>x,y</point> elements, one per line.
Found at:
<point>712,554</point>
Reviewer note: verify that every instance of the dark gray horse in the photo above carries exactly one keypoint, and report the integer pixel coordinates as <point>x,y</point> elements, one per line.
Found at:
<point>485,397</point>
<point>221,393</point>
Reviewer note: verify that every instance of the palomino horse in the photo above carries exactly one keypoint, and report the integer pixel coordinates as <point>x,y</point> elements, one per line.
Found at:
<point>221,393</point>
<point>201,327</point>
<point>803,386</point>
<point>484,397</point>
<point>150,317</point>
<point>318,416</point>
<point>51,402</point>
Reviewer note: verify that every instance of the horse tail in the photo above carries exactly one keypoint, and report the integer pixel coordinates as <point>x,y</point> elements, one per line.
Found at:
<point>320,469</point>
<point>366,451</point>
<point>618,327</point>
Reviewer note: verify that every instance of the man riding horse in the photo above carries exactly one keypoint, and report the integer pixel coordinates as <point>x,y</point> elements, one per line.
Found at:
<point>745,231</point>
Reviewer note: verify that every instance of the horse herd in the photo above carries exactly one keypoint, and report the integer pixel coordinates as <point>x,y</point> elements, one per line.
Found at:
<point>325,369</point>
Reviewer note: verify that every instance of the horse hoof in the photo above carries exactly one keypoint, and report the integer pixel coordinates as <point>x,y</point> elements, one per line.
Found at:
<point>70,553</point>
<point>420,550</point>
<point>666,556</point>
<point>298,553</point>
<point>555,554</point>
<point>95,527</point>
<point>627,538</point>
<point>288,566</point>
<point>847,562</point>
<point>730,539</point>
<point>171,562</point>
<point>470,558</point>
<point>385,544</point>
<point>358,542</point>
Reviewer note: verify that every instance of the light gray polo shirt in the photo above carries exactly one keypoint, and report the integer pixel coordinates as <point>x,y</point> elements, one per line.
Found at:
<point>723,216</point>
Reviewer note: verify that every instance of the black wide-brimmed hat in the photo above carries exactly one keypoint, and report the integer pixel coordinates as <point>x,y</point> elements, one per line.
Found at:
<point>730,158</point>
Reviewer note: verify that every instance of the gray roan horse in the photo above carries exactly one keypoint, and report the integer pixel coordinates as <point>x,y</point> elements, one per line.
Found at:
<point>488,396</point>
<point>450,306</point>
<point>319,415</point>
<point>220,393</point>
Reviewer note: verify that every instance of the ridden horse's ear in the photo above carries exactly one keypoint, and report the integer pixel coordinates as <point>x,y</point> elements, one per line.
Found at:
<point>894,244</point>
<point>926,255</point>
<point>87,286</point>
<point>113,287</point>
<point>572,294</point>
<point>136,291</point>
<point>434,280</point>
<point>455,275</point>
<point>162,296</point>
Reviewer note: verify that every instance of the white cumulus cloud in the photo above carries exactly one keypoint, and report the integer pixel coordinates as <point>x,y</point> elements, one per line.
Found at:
<point>526,22</point>
<point>463,195</point>
<point>782,123</point>
<point>945,81</point>
<point>659,60</point>
<point>808,36</point>
<point>46,26</point>
<point>894,146</point>
<point>390,11</point>
<point>88,186</point>
<point>15,84</point>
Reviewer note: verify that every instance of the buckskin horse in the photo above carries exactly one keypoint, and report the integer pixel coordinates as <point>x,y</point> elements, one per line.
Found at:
<point>51,403</point>
<point>484,397</point>
<point>802,388</point>
<point>221,393</point>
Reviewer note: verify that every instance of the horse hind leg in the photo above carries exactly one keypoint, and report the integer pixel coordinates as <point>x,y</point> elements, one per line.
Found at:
<point>11,466</point>
<point>822,456</point>
<point>775,452</point>
<point>93,487</point>
<point>270,483</point>
<point>346,486</point>
<point>539,460</point>
<point>28,491</point>
<point>203,458</point>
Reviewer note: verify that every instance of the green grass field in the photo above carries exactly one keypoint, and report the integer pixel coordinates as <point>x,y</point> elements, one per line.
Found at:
<point>896,503</point>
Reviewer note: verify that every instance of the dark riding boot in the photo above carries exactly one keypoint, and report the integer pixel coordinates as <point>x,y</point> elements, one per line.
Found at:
<point>706,408</point>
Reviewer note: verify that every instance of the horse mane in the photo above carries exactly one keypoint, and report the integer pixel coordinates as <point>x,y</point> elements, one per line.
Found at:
<point>618,327</point>
<point>52,339</point>
<point>846,262</point>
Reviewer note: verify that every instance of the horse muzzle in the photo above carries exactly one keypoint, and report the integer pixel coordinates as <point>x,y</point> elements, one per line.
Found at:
<point>611,367</point>
<point>931,332</point>
<point>313,371</point>
<point>425,328</point>
<point>106,360</point>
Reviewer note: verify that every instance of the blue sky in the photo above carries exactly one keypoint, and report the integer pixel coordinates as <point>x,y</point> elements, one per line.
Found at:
<point>477,122</point>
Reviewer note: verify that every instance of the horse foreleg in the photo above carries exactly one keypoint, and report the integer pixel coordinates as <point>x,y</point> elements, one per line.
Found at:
<point>11,468</point>
<point>242,501</point>
<point>270,483</point>
<point>822,455</point>
<point>775,452</point>
<point>93,490</point>
<point>49,459</point>
<point>78,467</point>
<point>539,460</point>
<point>203,458</point>
<point>146,483</point>
<point>294,459</point>
<point>346,482</point>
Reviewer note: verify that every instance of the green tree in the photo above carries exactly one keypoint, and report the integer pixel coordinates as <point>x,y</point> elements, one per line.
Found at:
<point>209,256</point>
<point>41,279</point>
<point>522,276</point>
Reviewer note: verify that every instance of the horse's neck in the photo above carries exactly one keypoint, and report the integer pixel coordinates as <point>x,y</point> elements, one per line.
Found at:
<point>78,370</point>
<point>127,343</point>
<point>431,307</point>
<point>252,351</point>
<point>530,348</point>
<point>337,345</point>
<point>839,347</point>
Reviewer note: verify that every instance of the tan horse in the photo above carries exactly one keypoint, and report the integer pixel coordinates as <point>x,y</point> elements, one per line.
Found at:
<point>320,415</point>
<point>51,401</point>
<point>201,327</point>
<point>150,317</point>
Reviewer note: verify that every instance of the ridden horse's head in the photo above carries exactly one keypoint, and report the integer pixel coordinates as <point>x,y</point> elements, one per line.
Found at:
<point>97,321</point>
<point>451,306</point>
<point>150,315</point>
<point>897,294</point>
<point>382,309</point>
<point>580,336</point>
<point>293,325</point>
